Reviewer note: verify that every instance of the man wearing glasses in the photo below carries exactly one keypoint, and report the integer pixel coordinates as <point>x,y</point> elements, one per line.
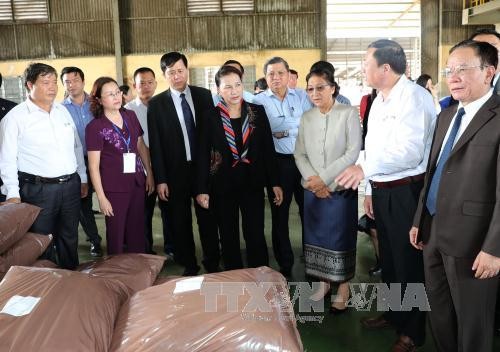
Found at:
<point>457,223</point>
<point>284,108</point>
<point>175,119</point>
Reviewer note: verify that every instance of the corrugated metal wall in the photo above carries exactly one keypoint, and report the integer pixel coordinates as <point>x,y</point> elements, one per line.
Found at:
<point>84,28</point>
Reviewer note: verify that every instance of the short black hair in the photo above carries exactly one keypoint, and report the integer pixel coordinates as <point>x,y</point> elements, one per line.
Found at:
<point>486,52</point>
<point>276,60</point>
<point>391,53</point>
<point>260,83</point>
<point>234,62</point>
<point>171,58</point>
<point>486,31</point>
<point>35,70</point>
<point>323,65</point>
<point>72,69</point>
<point>143,70</point>
<point>124,88</point>
<point>224,71</point>
<point>293,72</point>
<point>423,79</point>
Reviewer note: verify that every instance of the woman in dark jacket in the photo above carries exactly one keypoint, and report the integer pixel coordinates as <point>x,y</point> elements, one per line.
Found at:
<point>236,161</point>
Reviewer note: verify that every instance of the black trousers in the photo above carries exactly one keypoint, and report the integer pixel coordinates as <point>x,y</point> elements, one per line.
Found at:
<point>87,218</point>
<point>227,208</point>
<point>179,214</point>
<point>150,204</point>
<point>394,209</point>
<point>462,307</point>
<point>290,183</point>
<point>60,205</point>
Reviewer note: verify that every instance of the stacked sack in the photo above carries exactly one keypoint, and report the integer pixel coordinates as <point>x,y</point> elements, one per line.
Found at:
<point>17,245</point>
<point>46,310</point>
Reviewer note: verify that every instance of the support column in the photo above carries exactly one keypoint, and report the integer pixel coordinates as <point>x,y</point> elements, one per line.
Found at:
<point>429,58</point>
<point>117,43</point>
<point>322,29</point>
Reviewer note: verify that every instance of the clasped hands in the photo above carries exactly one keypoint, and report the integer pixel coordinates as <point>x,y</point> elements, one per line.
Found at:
<point>316,185</point>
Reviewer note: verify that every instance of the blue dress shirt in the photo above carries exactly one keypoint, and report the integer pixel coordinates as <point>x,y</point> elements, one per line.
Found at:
<point>284,116</point>
<point>81,116</point>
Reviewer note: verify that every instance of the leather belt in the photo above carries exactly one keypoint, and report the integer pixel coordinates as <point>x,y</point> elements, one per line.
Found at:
<point>400,182</point>
<point>40,179</point>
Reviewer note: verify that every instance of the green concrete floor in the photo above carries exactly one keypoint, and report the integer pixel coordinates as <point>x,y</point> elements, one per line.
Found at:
<point>335,333</point>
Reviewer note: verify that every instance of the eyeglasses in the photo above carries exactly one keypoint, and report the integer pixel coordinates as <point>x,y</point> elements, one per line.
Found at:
<point>172,73</point>
<point>459,70</point>
<point>118,93</point>
<point>319,89</point>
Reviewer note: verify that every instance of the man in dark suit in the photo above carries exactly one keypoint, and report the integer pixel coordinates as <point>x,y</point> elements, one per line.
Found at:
<point>175,120</point>
<point>457,222</point>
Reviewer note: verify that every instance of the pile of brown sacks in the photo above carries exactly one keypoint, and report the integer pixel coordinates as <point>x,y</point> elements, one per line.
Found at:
<point>119,304</point>
<point>17,245</point>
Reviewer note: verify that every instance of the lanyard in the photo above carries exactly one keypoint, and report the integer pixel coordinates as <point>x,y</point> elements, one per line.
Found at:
<point>126,141</point>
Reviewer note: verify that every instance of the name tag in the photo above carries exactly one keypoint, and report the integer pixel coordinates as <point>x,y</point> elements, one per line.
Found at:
<point>128,163</point>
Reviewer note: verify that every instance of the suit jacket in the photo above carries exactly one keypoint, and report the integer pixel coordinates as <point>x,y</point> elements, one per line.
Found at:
<point>166,141</point>
<point>215,161</point>
<point>467,218</point>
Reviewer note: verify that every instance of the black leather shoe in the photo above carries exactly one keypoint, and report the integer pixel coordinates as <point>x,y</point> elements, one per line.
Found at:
<point>191,271</point>
<point>286,272</point>
<point>336,311</point>
<point>95,249</point>
<point>375,323</point>
<point>375,270</point>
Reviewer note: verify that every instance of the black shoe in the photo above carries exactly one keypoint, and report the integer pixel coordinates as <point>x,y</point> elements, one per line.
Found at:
<point>375,271</point>
<point>170,256</point>
<point>191,271</point>
<point>95,249</point>
<point>286,272</point>
<point>336,311</point>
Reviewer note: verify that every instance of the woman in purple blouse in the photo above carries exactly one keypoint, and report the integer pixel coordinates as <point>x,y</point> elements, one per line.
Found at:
<point>117,158</point>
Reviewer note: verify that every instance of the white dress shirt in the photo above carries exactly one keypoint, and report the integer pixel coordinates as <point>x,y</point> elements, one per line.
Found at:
<point>471,110</point>
<point>328,143</point>
<point>400,130</point>
<point>40,143</point>
<point>176,97</point>
<point>141,111</point>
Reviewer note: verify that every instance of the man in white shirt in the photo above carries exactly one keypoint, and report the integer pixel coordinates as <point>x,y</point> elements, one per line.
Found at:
<point>41,163</point>
<point>457,223</point>
<point>145,86</point>
<point>400,128</point>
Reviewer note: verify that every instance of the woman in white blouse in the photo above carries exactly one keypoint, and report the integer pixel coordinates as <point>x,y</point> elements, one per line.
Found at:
<point>329,140</point>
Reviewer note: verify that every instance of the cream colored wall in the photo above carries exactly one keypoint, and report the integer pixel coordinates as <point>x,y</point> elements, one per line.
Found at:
<point>95,67</point>
<point>300,60</point>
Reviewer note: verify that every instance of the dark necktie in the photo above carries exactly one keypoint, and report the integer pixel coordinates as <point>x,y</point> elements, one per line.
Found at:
<point>445,154</point>
<point>190,126</point>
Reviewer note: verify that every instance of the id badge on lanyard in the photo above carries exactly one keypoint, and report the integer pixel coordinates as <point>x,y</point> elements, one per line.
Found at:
<point>128,157</point>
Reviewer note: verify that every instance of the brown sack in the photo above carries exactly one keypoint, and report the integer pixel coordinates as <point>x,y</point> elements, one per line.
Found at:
<point>44,263</point>
<point>136,271</point>
<point>76,311</point>
<point>157,319</point>
<point>24,252</point>
<point>160,280</point>
<point>15,221</point>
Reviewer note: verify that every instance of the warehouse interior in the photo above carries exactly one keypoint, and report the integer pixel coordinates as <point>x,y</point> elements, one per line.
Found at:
<point>115,37</point>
